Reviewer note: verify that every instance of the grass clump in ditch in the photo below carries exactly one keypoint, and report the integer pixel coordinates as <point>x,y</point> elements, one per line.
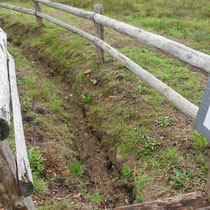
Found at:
<point>139,199</point>
<point>199,141</point>
<point>36,160</point>
<point>127,171</point>
<point>77,169</point>
<point>142,181</point>
<point>40,186</point>
<point>96,197</point>
<point>181,180</point>
<point>61,205</point>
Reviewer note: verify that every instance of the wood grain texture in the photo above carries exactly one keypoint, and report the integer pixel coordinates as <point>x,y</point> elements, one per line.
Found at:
<point>182,52</point>
<point>187,201</point>
<point>18,9</point>
<point>208,181</point>
<point>99,31</point>
<point>37,7</point>
<point>23,168</point>
<point>10,194</point>
<point>4,88</point>
<point>75,11</point>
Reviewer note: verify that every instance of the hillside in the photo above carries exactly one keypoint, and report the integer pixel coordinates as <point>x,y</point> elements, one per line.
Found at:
<point>98,136</point>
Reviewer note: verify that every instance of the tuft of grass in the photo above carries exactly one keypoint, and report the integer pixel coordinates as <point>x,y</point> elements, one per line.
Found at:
<point>132,138</point>
<point>142,181</point>
<point>85,98</point>
<point>139,199</point>
<point>96,197</point>
<point>61,205</point>
<point>199,141</point>
<point>127,171</point>
<point>150,145</point>
<point>163,121</point>
<point>40,186</point>
<point>76,169</point>
<point>181,180</point>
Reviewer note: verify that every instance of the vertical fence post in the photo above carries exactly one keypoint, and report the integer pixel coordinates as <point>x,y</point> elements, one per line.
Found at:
<point>37,8</point>
<point>99,31</point>
<point>208,180</point>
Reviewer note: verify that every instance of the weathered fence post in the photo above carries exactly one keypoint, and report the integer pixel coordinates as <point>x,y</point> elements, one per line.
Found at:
<point>208,180</point>
<point>99,31</point>
<point>37,8</point>
<point>10,194</point>
<point>23,167</point>
<point>4,89</point>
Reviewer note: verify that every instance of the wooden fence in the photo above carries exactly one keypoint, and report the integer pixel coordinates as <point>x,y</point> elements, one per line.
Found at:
<point>175,98</point>
<point>180,51</point>
<point>16,183</point>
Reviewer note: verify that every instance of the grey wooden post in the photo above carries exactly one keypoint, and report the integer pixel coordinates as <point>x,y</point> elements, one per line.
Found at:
<point>37,7</point>
<point>99,31</point>
<point>208,181</point>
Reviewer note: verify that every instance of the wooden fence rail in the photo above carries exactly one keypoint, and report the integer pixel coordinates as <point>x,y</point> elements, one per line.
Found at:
<point>184,53</point>
<point>175,98</point>
<point>15,175</point>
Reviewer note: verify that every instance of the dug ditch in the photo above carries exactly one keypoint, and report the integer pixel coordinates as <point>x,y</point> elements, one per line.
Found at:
<point>102,168</point>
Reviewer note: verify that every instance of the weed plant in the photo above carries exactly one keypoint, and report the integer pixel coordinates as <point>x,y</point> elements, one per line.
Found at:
<point>36,160</point>
<point>76,169</point>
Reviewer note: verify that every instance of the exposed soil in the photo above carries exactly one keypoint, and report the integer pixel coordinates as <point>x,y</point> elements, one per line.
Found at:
<point>102,171</point>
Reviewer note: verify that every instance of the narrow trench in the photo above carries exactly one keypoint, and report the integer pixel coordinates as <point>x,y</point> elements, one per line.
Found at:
<point>103,170</point>
<point>112,171</point>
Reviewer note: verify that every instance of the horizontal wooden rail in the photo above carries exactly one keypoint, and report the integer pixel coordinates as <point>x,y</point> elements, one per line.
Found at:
<point>184,53</point>
<point>18,9</point>
<point>179,101</point>
<point>175,98</point>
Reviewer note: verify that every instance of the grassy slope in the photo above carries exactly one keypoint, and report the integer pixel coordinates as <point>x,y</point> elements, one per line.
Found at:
<point>151,144</point>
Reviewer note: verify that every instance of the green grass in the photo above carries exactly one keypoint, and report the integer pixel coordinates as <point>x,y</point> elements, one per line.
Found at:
<point>40,186</point>
<point>127,171</point>
<point>36,160</point>
<point>176,76</point>
<point>76,169</point>
<point>61,205</point>
<point>199,141</point>
<point>142,181</point>
<point>181,180</point>
<point>96,197</point>
<point>163,121</point>
<point>139,199</point>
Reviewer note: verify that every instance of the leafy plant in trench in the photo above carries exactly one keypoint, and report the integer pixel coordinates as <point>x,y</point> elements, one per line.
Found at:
<point>36,160</point>
<point>180,180</point>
